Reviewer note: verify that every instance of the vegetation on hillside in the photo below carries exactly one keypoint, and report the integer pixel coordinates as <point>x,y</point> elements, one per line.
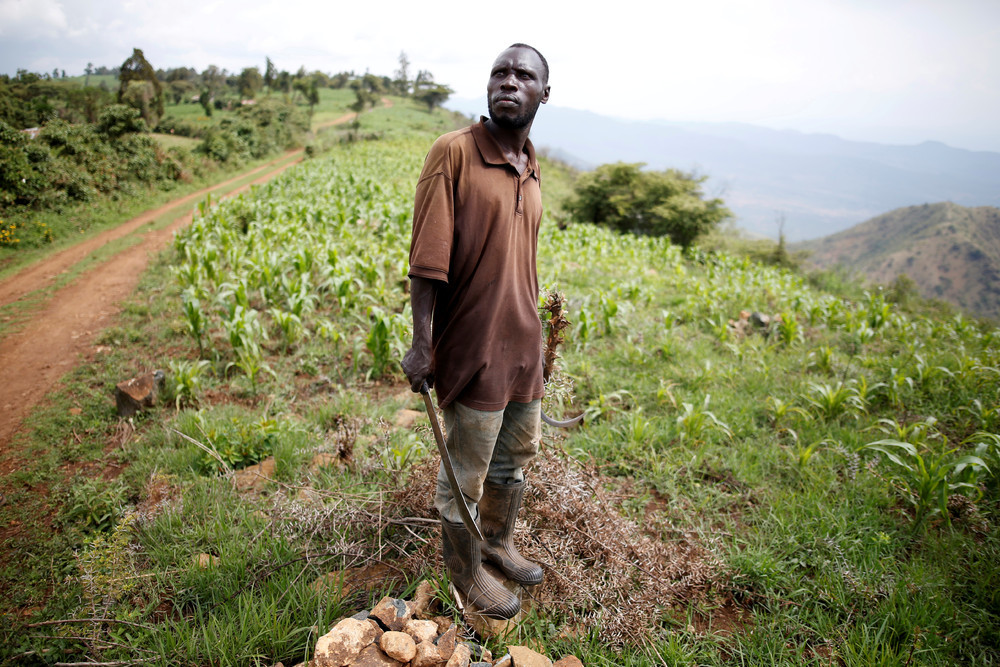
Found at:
<point>943,251</point>
<point>90,145</point>
<point>627,198</point>
<point>818,483</point>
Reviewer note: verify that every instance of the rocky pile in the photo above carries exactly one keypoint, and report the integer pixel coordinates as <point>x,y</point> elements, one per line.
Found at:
<point>402,633</point>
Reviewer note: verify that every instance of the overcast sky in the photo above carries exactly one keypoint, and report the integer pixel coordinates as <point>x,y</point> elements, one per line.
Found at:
<point>893,71</point>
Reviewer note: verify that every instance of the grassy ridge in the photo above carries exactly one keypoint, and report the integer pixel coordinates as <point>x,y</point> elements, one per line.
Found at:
<point>823,460</point>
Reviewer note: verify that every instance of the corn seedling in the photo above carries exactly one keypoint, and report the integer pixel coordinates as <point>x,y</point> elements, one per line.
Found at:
<point>196,323</point>
<point>401,450</point>
<point>822,359</point>
<point>606,405</point>
<point>290,324</point>
<point>789,330</point>
<point>925,373</point>
<point>185,379</point>
<point>834,401</point>
<point>637,431</point>
<point>987,416</point>
<point>803,453</point>
<point>780,410</point>
<point>250,360</point>
<point>926,478</point>
<point>694,422</point>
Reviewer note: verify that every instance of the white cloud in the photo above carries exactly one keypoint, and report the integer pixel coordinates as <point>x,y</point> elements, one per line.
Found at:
<point>32,18</point>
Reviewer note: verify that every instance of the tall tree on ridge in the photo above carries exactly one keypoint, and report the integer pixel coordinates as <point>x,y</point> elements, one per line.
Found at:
<point>137,69</point>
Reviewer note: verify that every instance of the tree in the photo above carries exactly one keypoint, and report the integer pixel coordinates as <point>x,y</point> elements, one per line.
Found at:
<point>366,91</point>
<point>270,73</point>
<point>340,79</point>
<point>656,203</point>
<point>249,82</point>
<point>284,81</point>
<point>402,76</point>
<point>137,69</point>
<point>214,79</point>
<point>141,95</point>
<point>205,99</point>
<point>428,92</point>
<point>181,89</point>
<point>88,72</point>
<point>309,89</point>
<point>433,96</point>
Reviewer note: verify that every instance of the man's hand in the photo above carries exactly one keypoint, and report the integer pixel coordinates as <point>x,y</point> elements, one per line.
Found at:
<point>417,366</point>
<point>418,363</point>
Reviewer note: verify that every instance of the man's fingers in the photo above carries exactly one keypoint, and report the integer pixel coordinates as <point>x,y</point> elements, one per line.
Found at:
<point>417,384</point>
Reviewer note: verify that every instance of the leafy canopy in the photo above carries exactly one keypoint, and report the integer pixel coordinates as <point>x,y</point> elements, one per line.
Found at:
<point>147,96</point>
<point>627,198</point>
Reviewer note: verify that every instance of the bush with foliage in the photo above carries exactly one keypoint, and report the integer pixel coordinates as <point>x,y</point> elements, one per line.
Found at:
<point>77,162</point>
<point>653,203</point>
<point>258,130</point>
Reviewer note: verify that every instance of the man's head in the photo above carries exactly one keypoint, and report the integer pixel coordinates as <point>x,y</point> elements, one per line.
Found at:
<point>519,83</point>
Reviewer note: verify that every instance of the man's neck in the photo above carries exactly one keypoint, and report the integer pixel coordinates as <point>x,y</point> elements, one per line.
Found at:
<point>511,142</point>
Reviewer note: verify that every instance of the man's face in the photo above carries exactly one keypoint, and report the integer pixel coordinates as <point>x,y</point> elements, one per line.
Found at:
<point>516,88</point>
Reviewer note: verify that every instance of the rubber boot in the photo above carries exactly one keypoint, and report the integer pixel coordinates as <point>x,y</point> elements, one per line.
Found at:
<point>463,558</point>
<point>498,510</point>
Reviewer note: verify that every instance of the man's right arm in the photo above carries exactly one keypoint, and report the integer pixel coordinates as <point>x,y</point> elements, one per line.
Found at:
<point>418,363</point>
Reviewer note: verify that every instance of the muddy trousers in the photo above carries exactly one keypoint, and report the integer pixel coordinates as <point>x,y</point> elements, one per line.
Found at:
<point>484,446</point>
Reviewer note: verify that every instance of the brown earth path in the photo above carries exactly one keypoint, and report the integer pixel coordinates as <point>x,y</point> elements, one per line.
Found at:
<point>59,334</point>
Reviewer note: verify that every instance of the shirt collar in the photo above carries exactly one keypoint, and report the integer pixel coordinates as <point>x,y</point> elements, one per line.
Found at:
<point>490,149</point>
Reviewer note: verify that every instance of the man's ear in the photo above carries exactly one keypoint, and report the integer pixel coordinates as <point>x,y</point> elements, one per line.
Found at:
<point>545,95</point>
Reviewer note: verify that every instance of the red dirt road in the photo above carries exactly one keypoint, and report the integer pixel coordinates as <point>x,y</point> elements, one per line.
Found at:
<point>60,333</point>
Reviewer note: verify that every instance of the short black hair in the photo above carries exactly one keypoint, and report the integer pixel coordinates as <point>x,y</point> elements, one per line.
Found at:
<point>545,63</point>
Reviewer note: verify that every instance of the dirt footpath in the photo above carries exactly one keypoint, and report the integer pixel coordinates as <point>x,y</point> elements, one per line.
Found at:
<point>60,332</point>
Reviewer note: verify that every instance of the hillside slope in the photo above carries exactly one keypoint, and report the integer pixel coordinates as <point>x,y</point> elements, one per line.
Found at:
<point>951,252</point>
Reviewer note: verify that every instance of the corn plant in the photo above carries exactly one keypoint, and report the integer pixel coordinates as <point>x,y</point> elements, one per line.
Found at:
<point>803,453</point>
<point>925,373</point>
<point>789,330</point>
<point>694,422</point>
<point>290,324</point>
<point>897,387</point>
<point>233,295</point>
<point>585,325</point>
<point>822,359</point>
<point>608,308</point>
<point>638,430</point>
<point>987,448</point>
<point>834,401</point>
<point>781,409</point>
<point>196,323</point>
<point>244,328</point>
<point>877,310</point>
<point>250,360</point>
<point>386,340</point>
<point>916,433</point>
<point>987,416</point>
<point>402,449</point>
<point>185,380</point>
<point>606,405</point>
<point>926,478</point>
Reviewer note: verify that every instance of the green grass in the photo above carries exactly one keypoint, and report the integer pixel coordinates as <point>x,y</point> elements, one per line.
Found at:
<point>170,140</point>
<point>753,447</point>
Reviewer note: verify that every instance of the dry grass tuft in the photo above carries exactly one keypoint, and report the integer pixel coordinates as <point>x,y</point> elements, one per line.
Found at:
<point>602,570</point>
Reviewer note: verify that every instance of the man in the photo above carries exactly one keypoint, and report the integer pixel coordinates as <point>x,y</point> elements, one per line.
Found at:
<point>476,331</point>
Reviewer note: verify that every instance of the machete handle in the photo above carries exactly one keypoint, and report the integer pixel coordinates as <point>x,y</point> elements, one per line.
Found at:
<point>425,388</point>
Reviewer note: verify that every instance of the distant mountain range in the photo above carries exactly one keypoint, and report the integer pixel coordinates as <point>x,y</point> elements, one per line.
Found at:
<point>819,183</point>
<point>951,252</point>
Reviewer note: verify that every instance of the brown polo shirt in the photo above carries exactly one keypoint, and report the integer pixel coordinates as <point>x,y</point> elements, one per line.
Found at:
<point>475,229</point>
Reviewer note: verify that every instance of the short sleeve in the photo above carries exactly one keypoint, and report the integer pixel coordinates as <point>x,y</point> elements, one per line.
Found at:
<point>433,217</point>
